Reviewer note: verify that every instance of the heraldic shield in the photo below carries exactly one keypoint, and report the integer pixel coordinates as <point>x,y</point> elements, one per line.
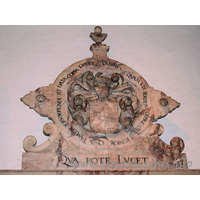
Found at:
<point>104,116</point>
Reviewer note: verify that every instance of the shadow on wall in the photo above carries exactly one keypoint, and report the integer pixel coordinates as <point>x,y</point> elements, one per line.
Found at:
<point>172,130</point>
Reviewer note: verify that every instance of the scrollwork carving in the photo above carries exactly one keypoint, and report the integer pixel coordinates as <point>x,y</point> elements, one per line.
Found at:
<point>92,88</point>
<point>163,151</point>
<point>128,113</point>
<point>29,142</point>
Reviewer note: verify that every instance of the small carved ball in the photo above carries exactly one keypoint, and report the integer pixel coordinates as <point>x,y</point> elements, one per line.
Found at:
<point>78,101</point>
<point>97,29</point>
<point>163,102</point>
<point>128,102</point>
<point>40,98</point>
<point>115,77</point>
<point>90,76</point>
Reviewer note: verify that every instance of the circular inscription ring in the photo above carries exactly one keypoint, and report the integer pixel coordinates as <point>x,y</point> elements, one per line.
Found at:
<point>101,102</point>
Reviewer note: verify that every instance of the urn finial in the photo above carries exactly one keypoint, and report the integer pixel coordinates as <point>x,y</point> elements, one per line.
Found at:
<point>98,49</point>
<point>97,36</point>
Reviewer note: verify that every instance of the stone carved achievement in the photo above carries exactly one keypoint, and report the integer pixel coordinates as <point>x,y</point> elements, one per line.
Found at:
<point>103,115</point>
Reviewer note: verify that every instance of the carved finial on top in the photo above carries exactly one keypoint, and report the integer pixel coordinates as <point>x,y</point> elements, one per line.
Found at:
<point>97,35</point>
<point>98,49</point>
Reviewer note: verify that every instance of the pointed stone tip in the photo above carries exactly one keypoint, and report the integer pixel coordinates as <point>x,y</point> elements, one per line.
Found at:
<point>162,104</point>
<point>173,104</point>
<point>29,100</point>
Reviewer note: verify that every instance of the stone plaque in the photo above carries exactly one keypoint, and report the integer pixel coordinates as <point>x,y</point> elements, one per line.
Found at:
<point>103,115</point>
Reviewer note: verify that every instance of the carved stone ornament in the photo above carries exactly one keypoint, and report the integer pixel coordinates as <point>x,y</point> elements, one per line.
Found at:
<point>103,115</point>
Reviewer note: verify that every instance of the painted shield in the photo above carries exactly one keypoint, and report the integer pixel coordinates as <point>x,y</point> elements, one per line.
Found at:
<point>104,116</point>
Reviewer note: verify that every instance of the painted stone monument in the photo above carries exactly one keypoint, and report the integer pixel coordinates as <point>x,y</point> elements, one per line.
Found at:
<point>103,117</point>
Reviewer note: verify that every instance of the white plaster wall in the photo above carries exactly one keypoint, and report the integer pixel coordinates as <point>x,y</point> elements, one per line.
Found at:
<point>168,57</point>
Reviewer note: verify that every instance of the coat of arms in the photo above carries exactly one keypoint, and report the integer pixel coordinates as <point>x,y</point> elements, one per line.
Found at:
<point>101,109</point>
<point>102,103</point>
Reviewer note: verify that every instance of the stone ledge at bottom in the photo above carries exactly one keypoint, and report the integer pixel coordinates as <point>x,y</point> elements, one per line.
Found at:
<point>99,172</point>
